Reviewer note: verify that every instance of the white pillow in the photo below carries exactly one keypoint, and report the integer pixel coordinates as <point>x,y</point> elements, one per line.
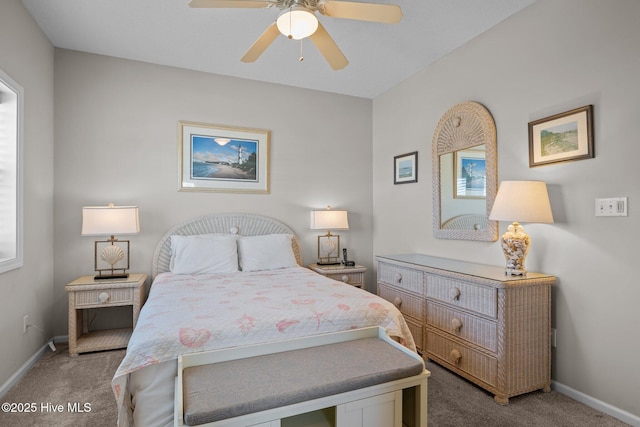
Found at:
<point>204,254</point>
<point>267,252</point>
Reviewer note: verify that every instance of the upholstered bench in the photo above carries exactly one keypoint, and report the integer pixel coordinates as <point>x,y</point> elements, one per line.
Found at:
<point>262,384</point>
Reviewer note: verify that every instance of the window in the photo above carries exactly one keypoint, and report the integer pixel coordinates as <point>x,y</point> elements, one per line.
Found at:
<point>11,107</point>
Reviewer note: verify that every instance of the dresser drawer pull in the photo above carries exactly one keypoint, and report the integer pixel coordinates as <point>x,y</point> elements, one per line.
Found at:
<point>103,297</point>
<point>398,278</point>
<point>454,293</point>
<point>455,356</point>
<point>345,278</point>
<point>397,301</point>
<point>456,324</point>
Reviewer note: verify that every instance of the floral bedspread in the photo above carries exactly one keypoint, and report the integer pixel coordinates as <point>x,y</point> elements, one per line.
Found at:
<point>193,313</point>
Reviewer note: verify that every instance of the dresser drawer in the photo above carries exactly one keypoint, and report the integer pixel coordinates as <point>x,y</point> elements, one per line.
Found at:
<point>481,299</point>
<point>355,279</point>
<point>408,304</point>
<point>466,359</point>
<point>402,277</point>
<point>463,325</point>
<point>103,297</point>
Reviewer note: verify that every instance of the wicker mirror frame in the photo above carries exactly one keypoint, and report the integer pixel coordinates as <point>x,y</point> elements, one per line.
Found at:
<point>465,125</point>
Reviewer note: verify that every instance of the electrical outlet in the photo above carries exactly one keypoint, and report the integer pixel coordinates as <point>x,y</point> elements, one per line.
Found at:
<point>553,337</point>
<point>25,323</point>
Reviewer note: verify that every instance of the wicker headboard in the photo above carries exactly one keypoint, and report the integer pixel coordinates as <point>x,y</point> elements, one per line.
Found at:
<point>242,224</point>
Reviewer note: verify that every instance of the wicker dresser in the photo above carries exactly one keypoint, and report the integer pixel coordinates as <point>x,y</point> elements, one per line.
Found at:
<point>493,329</point>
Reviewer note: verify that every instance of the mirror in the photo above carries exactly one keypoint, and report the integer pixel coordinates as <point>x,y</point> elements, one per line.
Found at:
<point>465,174</point>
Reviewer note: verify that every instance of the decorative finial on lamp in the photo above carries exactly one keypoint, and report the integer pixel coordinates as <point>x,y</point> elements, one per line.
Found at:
<point>329,244</point>
<point>520,201</point>
<point>109,221</point>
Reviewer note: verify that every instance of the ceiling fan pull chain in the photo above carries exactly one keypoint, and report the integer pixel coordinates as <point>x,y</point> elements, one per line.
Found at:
<point>301,56</point>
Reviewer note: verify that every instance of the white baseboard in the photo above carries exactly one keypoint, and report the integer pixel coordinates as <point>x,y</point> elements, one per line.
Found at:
<point>61,339</point>
<point>601,406</point>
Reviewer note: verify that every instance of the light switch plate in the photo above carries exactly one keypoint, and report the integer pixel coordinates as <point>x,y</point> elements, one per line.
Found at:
<point>613,206</point>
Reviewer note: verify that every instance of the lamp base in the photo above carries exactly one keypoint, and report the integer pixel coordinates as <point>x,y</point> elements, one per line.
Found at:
<point>328,263</point>
<point>111,276</point>
<point>515,245</point>
<point>514,272</point>
<point>328,246</point>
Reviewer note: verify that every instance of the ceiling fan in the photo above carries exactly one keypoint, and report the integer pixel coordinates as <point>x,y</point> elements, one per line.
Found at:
<point>298,21</point>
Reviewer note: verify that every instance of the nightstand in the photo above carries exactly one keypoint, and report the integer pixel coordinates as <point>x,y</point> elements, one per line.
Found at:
<point>84,293</point>
<point>351,275</point>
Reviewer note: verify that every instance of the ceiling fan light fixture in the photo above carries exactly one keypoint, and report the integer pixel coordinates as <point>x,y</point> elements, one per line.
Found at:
<point>297,23</point>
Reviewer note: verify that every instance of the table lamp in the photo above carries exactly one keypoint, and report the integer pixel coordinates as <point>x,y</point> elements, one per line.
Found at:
<point>109,221</point>
<point>520,201</point>
<point>329,244</point>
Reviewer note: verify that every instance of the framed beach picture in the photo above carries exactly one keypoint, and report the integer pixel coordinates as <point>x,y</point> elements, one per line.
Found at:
<point>221,158</point>
<point>469,174</point>
<point>405,168</point>
<point>561,138</point>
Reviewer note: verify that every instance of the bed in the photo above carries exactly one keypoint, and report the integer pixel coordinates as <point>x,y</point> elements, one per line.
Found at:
<point>227,280</point>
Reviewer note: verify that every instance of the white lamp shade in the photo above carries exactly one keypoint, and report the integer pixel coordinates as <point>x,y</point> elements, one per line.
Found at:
<point>110,220</point>
<point>329,220</point>
<point>522,201</point>
<point>297,22</point>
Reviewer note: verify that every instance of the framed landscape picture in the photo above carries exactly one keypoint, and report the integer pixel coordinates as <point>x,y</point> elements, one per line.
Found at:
<point>221,158</point>
<point>405,168</point>
<point>561,138</point>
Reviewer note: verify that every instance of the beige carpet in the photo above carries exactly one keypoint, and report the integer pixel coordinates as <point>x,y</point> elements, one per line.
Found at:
<point>62,380</point>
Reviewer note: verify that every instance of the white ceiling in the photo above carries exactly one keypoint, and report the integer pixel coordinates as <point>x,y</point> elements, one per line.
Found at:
<point>169,32</point>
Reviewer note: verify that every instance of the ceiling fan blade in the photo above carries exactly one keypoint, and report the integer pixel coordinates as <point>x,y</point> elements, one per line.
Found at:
<point>235,4</point>
<point>328,48</point>
<point>260,45</point>
<point>385,13</point>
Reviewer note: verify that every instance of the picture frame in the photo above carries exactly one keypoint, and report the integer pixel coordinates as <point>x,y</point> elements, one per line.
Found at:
<point>469,174</point>
<point>562,137</point>
<point>405,168</point>
<point>223,158</point>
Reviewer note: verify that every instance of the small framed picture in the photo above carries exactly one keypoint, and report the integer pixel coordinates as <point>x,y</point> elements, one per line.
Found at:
<point>405,168</point>
<point>564,137</point>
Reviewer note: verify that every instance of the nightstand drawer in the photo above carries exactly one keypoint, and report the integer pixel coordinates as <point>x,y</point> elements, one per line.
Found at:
<point>474,329</point>
<point>103,297</point>
<point>355,279</point>
<point>463,358</point>
<point>482,300</point>
<point>405,278</point>
<point>408,304</point>
<point>353,275</point>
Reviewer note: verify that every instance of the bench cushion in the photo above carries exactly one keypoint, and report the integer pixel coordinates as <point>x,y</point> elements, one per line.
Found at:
<point>229,389</point>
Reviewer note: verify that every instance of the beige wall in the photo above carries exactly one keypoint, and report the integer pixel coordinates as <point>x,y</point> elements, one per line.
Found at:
<point>116,141</point>
<point>549,58</point>
<point>27,56</point>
